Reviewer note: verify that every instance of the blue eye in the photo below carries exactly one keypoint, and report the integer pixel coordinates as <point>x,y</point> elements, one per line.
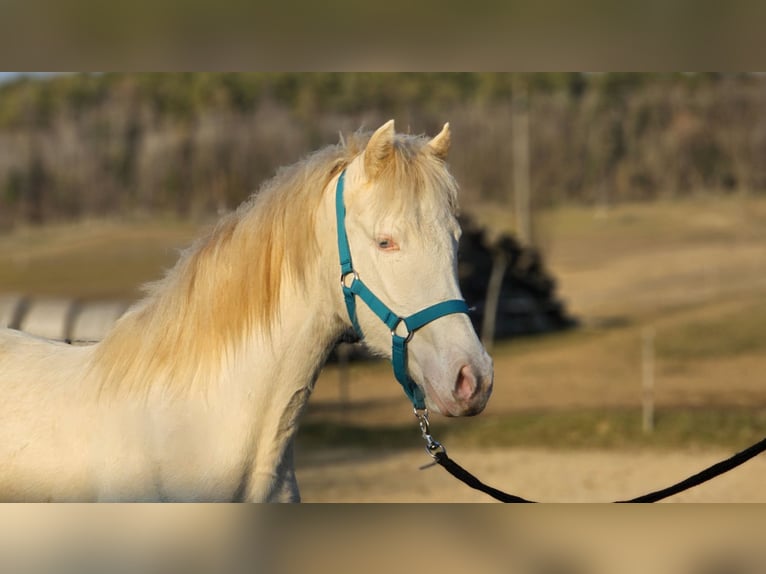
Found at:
<point>386,243</point>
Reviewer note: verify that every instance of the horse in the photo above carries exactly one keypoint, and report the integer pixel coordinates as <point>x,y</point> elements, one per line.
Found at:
<point>197,391</point>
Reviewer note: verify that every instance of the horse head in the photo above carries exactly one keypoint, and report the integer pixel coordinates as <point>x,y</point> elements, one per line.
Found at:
<point>399,203</point>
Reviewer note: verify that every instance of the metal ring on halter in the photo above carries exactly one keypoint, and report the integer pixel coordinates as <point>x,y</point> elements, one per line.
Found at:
<point>344,275</point>
<point>406,339</point>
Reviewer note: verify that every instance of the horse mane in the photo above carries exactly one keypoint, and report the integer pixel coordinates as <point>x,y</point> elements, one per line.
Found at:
<point>230,281</point>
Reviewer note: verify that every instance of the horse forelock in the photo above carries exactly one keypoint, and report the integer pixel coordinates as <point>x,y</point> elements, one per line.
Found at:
<point>415,184</point>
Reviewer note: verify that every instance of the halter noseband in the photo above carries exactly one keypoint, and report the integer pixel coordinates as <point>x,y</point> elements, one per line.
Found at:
<point>393,321</point>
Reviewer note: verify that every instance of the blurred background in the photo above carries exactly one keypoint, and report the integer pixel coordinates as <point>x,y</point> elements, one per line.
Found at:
<point>615,249</point>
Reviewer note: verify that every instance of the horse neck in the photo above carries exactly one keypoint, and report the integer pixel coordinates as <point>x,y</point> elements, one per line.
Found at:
<point>292,347</point>
<point>307,322</point>
<point>202,327</point>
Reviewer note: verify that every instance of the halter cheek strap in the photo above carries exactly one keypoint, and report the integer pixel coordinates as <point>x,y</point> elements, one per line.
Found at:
<point>354,287</point>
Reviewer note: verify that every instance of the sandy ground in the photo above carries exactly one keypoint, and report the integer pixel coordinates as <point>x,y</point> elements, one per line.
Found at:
<point>543,475</point>
<point>664,266</point>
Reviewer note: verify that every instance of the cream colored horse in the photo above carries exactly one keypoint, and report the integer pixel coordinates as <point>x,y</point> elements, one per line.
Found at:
<point>197,391</point>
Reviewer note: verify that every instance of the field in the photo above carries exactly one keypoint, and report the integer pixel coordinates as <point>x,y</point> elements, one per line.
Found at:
<point>566,408</point>
<point>564,421</point>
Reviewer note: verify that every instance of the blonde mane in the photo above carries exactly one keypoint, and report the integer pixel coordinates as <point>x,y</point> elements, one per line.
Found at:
<point>197,392</point>
<point>231,281</point>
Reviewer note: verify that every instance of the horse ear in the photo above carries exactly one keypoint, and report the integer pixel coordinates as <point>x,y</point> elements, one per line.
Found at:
<point>439,146</point>
<point>379,149</point>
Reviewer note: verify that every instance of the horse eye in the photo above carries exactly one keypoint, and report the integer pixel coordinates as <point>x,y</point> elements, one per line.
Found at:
<point>387,244</point>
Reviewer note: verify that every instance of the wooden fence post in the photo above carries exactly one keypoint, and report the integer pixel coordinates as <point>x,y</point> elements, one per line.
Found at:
<point>344,393</point>
<point>492,300</point>
<point>647,370</point>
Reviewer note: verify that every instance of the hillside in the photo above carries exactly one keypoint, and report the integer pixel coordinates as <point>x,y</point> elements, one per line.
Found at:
<point>192,145</point>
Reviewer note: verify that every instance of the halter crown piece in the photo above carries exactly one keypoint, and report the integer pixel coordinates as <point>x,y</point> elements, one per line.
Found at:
<point>356,288</point>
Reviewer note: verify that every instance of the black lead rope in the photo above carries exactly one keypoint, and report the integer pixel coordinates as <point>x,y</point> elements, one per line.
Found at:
<point>467,478</point>
<point>704,475</point>
<point>711,472</point>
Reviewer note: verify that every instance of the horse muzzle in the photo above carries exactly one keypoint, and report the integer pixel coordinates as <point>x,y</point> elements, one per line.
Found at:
<point>470,390</point>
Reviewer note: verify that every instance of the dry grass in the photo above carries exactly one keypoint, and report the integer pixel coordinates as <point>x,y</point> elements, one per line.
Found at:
<point>94,259</point>
<point>693,270</point>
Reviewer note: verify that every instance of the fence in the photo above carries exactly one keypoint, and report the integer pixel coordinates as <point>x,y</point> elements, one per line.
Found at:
<point>60,319</point>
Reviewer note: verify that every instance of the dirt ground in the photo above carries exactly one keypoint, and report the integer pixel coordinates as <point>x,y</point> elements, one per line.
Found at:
<point>694,273</point>
<point>542,475</point>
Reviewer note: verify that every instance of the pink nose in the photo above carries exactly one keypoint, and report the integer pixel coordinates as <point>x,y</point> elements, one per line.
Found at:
<point>466,384</point>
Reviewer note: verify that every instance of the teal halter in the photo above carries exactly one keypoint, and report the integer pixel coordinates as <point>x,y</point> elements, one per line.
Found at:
<point>391,319</point>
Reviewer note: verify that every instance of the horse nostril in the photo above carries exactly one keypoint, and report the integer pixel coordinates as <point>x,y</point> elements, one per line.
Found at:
<point>466,383</point>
